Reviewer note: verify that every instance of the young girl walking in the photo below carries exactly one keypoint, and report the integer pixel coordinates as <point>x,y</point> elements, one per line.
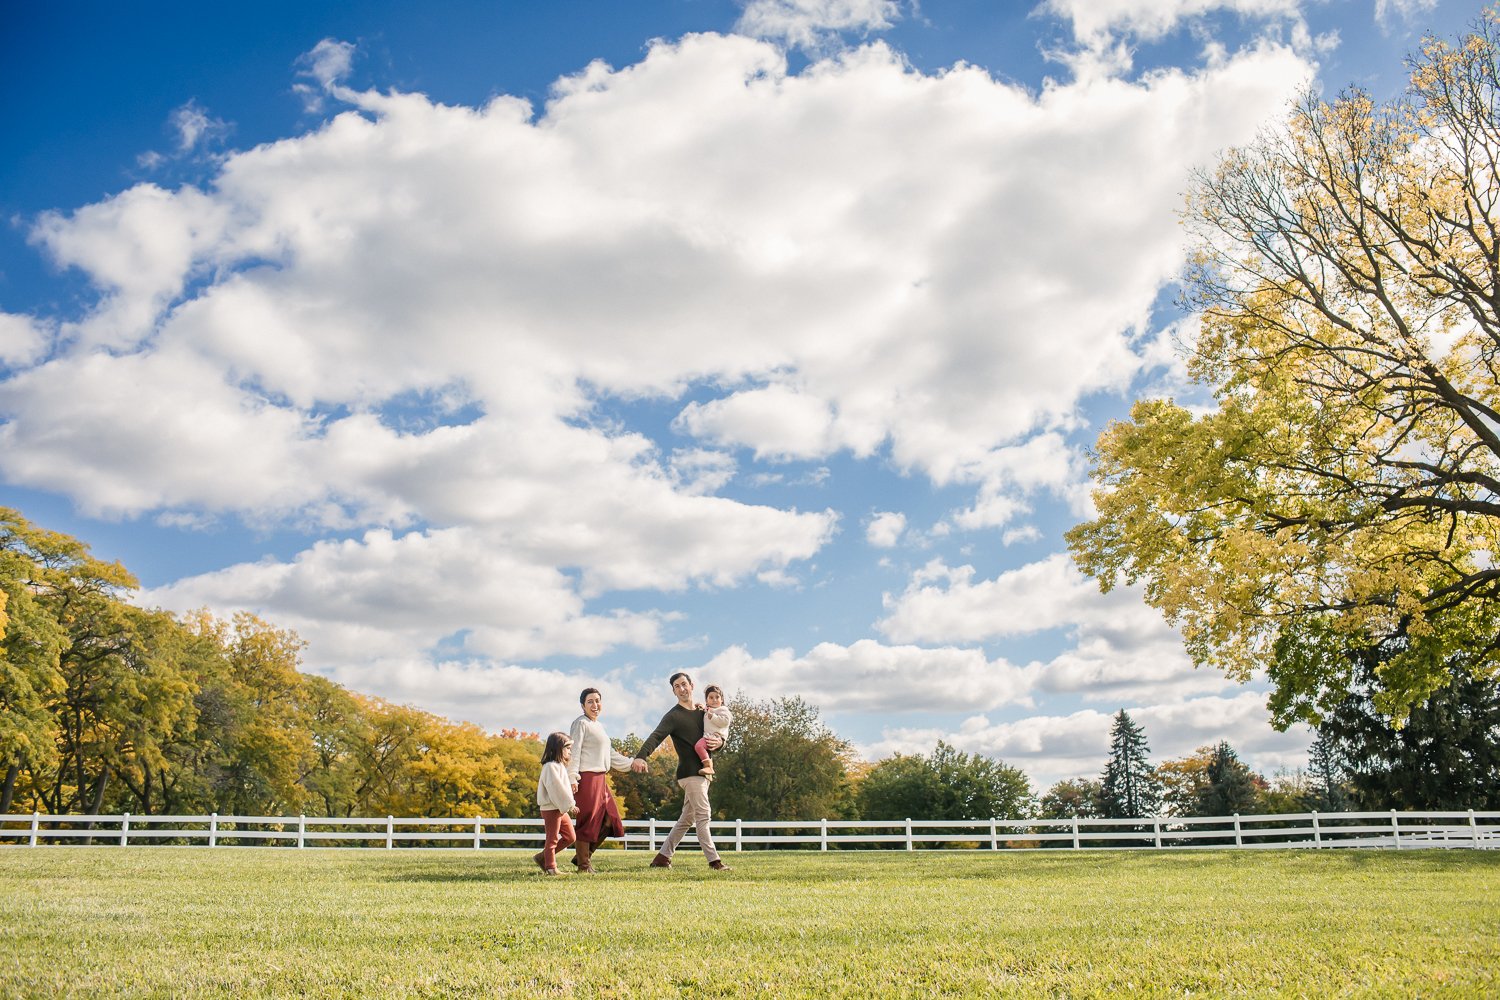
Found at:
<point>554,796</point>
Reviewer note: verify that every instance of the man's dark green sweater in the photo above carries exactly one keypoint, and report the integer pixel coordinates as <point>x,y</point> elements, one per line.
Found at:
<point>685,726</point>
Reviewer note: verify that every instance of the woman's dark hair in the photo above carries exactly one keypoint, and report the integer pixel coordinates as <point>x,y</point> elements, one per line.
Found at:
<point>584,695</point>
<point>554,748</point>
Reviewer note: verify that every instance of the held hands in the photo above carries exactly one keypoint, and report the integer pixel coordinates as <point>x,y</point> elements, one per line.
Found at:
<point>573,813</point>
<point>638,766</point>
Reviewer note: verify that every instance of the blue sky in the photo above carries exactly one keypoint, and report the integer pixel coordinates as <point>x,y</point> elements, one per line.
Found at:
<point>506,348</point>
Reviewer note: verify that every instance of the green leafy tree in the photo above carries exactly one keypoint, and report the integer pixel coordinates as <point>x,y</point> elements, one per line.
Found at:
<point>335,724</point>
<point>781,763</point>
<point>31,644</point>
<point>1183,781</point>
<point>1345,488</point>
<point>946,784</point>
<point>168,662</point>
<point>123,693</point>
<point>1287,791</point>
<point>1128,786</point>
<point>1080,797</point>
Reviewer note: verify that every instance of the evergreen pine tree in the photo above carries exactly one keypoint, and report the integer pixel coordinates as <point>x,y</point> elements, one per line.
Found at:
<point>1328,788</point>
<point>1129,784</point>
<point>1231,785</point>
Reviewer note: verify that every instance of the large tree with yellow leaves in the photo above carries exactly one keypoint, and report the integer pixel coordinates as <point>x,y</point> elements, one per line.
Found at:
<point>1342,498</point>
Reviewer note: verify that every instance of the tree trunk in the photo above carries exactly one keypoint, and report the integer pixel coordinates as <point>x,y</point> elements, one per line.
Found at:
<point>9,787</point>
<point>98,799</point>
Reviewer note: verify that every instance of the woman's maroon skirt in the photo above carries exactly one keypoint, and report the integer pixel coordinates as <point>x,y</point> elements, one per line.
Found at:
<point>598,816</point>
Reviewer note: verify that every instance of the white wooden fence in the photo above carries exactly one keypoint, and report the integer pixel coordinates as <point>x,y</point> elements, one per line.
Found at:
<point>1479,830</point>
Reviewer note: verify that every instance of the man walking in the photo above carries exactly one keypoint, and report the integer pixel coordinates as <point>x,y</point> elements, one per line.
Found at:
<point>684,723</point>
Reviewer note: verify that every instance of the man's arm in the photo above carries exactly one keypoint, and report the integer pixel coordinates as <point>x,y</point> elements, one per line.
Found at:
<point>662,731</point>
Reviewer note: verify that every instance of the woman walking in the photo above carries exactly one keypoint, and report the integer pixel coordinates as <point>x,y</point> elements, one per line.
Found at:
<point>593,757</point>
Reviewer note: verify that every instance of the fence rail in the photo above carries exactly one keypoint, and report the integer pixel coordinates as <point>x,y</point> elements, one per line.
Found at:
<point>1393,829</point>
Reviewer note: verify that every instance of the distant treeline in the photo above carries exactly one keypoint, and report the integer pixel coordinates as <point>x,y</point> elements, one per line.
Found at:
<point>106,707</point>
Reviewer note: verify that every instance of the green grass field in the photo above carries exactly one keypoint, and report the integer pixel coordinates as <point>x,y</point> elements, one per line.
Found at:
<point>196,922</point>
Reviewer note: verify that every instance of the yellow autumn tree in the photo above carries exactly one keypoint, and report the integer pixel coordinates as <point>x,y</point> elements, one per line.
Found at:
<point>1339,503</point>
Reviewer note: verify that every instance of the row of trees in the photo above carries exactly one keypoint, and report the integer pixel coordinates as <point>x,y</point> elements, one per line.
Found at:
<point>106,707</point>
<point>781,762</point>
<point>1445,755</point>
<point>1211,781</point>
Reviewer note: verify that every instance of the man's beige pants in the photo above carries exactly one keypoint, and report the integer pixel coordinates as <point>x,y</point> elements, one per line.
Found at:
<point>695,813</point>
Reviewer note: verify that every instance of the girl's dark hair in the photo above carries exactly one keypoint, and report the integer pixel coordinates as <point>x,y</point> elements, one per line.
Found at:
<point>584,695</point>
<point>554,748</point>
<point>711,689</point>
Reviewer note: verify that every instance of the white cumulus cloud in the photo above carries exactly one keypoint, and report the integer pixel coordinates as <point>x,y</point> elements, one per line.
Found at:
<point>885,528</point>
<point>410,325</point>
<point>868,676</point>
<point>812,23</point>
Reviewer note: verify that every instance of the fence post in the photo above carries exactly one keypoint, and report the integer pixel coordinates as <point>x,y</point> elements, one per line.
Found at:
<point>477,820</point>
<point>1156,831</point>
<point>1075,833</point>
<point>301,828</point>
<point>1473,830</point>
<point>1317,831</point>
<point>124,829</point>
<point>1237,841</point>
<point>910,845</point>
<point>36,819</point>
<point>652,841</point>
<point>1395,830</point>
<point>822,835</point>
<point>994,837</point>
<point>739,834</point>
<point>213,830</point>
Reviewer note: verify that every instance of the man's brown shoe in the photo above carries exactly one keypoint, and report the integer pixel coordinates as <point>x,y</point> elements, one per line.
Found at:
<point>718,865</point>
<point>661,862</point>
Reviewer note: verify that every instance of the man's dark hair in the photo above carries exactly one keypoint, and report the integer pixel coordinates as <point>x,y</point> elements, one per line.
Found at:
<point>680,673</point>
<point>583,695</point>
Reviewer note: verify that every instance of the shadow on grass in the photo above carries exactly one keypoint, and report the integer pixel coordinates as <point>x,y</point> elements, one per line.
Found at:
<point>506,874</point>
<point>841,867</point>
